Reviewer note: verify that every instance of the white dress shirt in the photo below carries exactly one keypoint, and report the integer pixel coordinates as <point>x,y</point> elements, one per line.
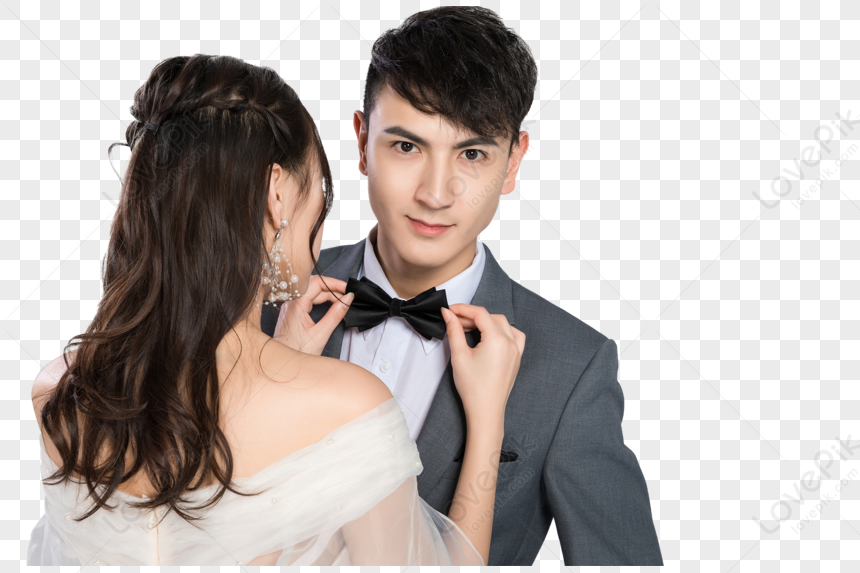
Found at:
<point>409,364</point>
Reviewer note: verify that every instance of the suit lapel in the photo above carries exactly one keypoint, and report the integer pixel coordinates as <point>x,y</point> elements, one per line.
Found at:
<point>443,435</point>
<point>342,268</point>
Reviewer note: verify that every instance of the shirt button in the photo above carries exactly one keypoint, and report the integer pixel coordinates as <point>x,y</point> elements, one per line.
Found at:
<point>417,464</point>
<point>385,366</point>
<point>390,436</point>
<point>68,516</point>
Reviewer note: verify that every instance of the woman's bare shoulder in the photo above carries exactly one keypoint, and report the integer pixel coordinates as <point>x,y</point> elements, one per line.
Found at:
<point>349,388</point>
<point>318,395</point>
<point>43,385</point>
<point>48,377</point>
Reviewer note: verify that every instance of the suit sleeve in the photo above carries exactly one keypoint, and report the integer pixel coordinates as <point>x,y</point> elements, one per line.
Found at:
<point>595,488</point>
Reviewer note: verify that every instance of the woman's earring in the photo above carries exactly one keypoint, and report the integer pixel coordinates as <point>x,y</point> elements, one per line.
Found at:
<point>281,289</point>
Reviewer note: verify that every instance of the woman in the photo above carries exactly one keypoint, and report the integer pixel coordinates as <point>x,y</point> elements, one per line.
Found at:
<point>176,432</point>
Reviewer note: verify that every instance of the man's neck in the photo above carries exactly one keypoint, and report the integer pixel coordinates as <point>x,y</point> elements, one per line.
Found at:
<point>409,280</point>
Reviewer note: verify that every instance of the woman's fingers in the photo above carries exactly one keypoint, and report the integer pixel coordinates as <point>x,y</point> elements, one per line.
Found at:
<point>520,339</point>
<point>326,296</point>
<point>483,320</point>
<point>318,292</point>
<point>456,337</point>
<point>295,326</point>
<point>332,318</point>
<point>467,323</point>
<point>503,323</point>
<point>469,317</point>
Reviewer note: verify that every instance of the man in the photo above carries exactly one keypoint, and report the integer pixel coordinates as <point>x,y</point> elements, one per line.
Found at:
<point>439,142</point>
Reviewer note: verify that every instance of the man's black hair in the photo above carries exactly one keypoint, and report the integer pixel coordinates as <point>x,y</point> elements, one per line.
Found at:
<point>460,62</point>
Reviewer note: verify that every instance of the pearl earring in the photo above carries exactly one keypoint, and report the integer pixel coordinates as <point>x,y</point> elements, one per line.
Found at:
<point>281,289</point>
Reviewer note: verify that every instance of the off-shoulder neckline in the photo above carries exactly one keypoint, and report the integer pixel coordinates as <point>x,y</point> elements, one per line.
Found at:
<point>245,479</point>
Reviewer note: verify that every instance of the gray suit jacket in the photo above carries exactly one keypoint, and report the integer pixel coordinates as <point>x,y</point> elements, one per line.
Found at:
<point>563,453</point>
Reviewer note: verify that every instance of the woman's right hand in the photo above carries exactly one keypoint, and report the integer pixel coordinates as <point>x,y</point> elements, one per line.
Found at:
<point>484,375</point>
<point>297,329</point>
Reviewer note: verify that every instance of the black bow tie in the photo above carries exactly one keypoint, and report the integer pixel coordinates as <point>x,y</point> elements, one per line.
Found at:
<point>372,305</point>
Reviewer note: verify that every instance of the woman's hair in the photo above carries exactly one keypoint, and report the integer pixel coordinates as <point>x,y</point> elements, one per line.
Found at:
<point>184,264</point>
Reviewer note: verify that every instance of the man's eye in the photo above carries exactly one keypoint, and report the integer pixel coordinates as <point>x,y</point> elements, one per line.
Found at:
<point>473,154</point>
<point>405,146</point>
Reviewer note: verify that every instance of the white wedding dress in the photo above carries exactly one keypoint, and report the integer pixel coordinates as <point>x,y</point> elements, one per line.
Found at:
<point>349,499</point>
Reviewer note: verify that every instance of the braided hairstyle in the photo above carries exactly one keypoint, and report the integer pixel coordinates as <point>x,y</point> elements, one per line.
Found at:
<point>183,266</point>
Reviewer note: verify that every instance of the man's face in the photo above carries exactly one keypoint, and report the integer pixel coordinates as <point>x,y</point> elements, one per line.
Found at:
<point>433,188</point>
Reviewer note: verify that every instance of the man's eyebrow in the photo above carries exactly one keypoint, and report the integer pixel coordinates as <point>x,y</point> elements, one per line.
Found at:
<point>476,141</point>
<point>397,130</point>
<point>471,142</point>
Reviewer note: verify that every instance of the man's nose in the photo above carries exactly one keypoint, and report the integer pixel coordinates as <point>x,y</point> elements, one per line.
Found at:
<point>440,186</point>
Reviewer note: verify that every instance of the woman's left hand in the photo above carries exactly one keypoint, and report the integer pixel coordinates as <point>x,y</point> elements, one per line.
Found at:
<point>297,329</point>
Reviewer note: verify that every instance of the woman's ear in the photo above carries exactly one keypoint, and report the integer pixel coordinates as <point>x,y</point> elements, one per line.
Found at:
<point>278,195</point>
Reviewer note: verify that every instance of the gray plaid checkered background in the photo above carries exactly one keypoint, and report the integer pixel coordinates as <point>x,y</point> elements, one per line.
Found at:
<point>691,191</point>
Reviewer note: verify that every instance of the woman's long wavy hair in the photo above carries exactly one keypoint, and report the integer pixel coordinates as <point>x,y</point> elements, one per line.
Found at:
<point>183,266</point>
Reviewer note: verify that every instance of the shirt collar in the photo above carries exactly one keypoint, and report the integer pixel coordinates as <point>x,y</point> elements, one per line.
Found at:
<point>459,289</point>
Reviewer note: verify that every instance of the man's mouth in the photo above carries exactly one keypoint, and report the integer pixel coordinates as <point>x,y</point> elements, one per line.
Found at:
<point>426,224</point>
<point>427,229</point>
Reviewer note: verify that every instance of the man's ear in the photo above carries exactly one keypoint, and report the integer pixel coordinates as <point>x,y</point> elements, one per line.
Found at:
<point>514,162</point>
<point>361,133</point>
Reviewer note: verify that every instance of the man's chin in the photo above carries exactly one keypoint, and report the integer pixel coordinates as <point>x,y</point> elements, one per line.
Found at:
<point>424,254</point>
<point>424,258</point>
